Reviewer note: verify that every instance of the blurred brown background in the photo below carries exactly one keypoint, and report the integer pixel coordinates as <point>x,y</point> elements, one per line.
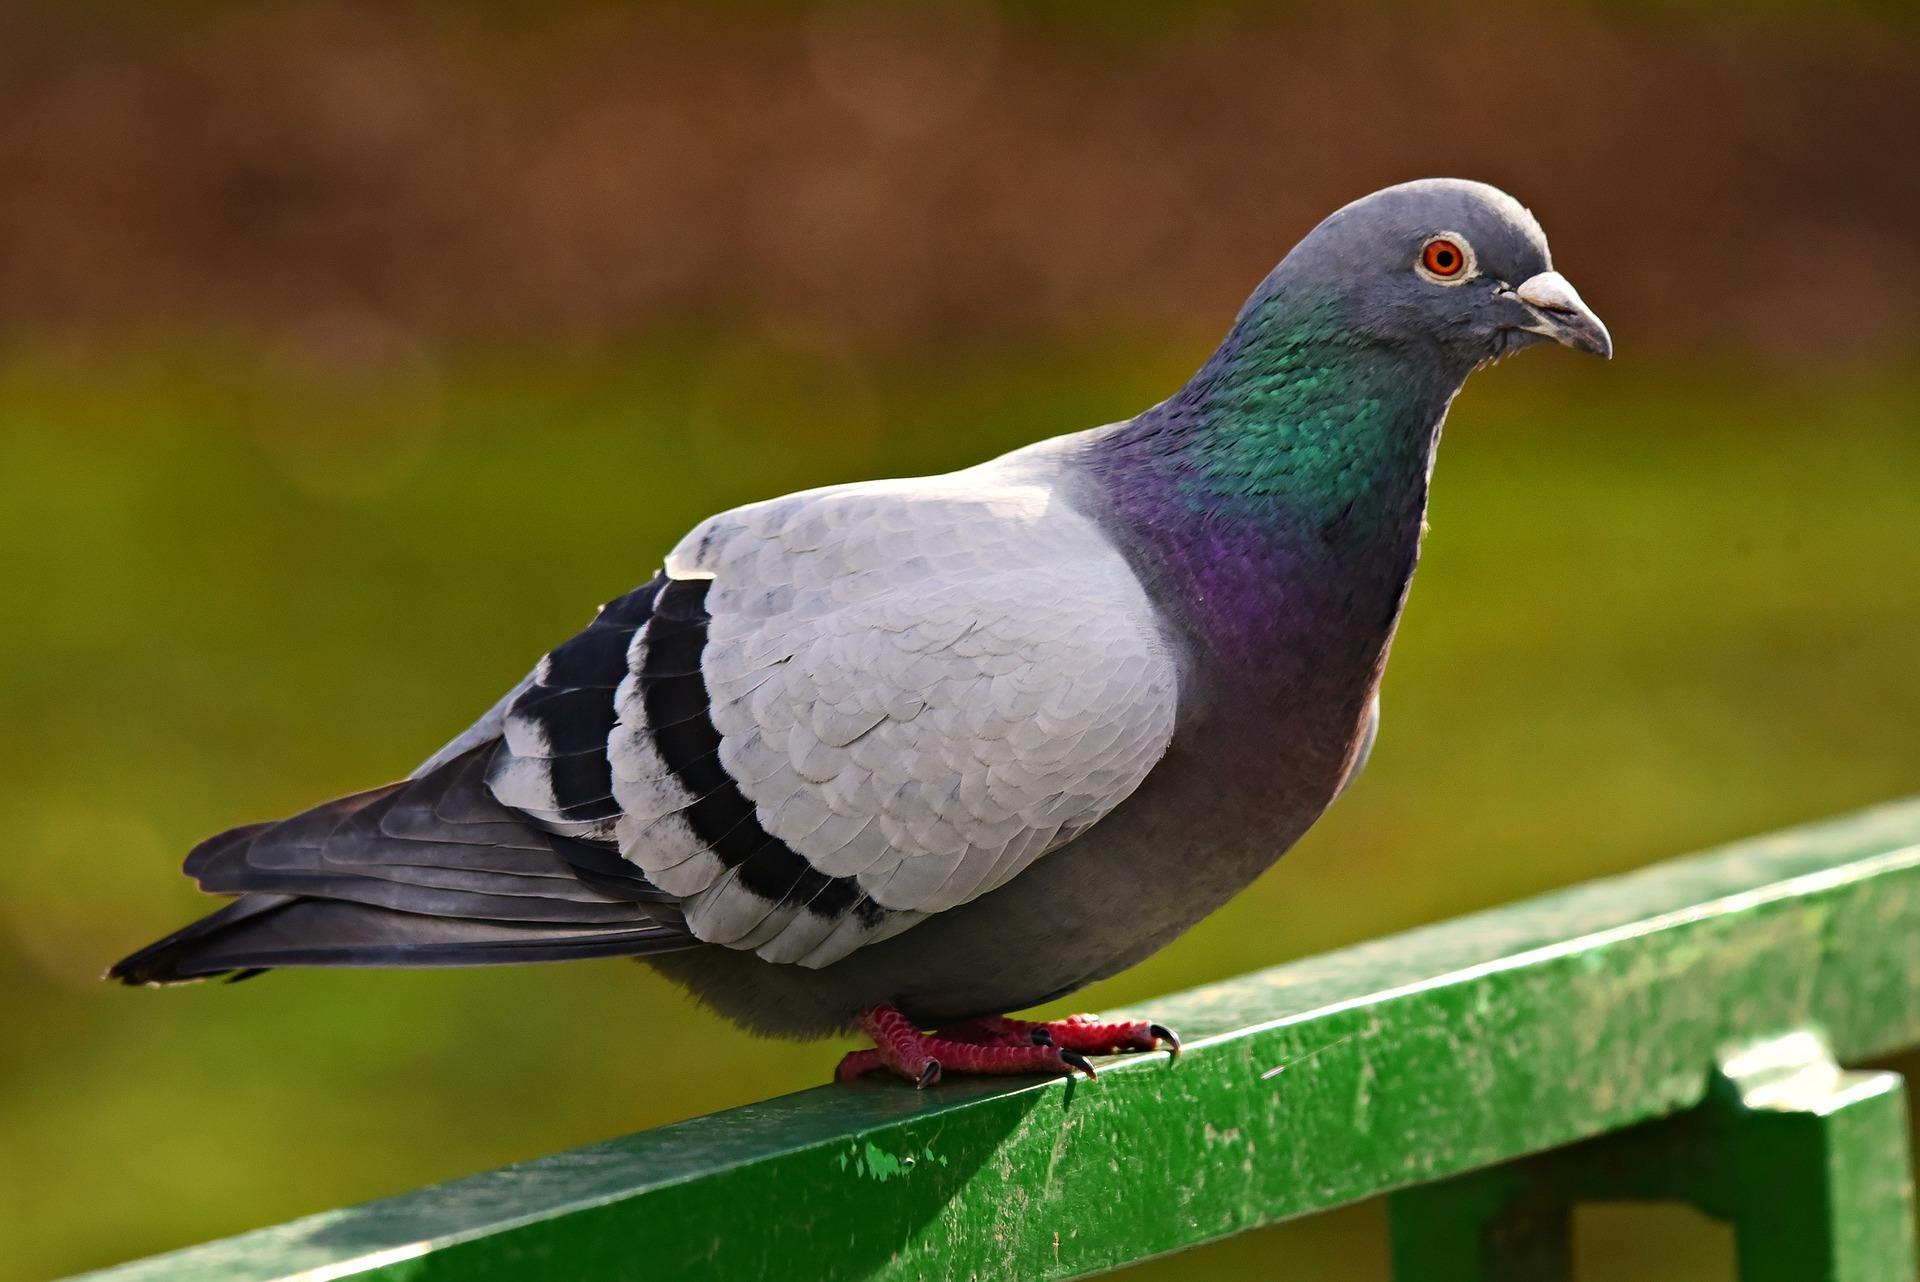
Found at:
<point>930,168</point>
<point>350,353</point>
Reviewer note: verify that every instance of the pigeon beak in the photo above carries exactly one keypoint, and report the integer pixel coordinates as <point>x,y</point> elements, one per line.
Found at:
<point>1559,313</point>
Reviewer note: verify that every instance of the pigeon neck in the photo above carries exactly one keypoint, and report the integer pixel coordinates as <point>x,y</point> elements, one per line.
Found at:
<point>1281,493</point>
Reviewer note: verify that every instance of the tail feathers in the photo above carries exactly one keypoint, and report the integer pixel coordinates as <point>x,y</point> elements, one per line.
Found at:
<point>259,932</point>
<point>431,871</point>
<point>161,962</point>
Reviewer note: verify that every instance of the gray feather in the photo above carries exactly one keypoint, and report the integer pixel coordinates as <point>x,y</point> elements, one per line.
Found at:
<point>427,872</point>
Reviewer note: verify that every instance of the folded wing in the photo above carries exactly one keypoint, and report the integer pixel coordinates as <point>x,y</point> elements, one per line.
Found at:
<point>853,708</point>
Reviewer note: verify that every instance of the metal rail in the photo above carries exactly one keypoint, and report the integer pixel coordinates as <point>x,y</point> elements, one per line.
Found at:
<point>1670,1033</point>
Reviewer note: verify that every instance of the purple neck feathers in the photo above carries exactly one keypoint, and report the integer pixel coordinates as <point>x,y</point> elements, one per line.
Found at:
<point>1274,505</point>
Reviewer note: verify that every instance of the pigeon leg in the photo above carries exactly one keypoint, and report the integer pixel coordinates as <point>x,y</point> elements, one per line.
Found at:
<point>922,1058</point>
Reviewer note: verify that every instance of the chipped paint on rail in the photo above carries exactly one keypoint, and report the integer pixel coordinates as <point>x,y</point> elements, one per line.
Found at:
<point>870,1160</point>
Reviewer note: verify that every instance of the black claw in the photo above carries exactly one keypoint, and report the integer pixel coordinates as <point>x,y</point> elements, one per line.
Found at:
<point>1040,1035</point>
<point>1161,1033</point>
<point>1074,1059</point>
<point>929,1074</point>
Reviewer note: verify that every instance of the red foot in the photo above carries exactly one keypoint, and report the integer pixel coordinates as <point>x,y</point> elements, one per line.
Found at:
<point>1091,1035</point>
<point>994,1045</point>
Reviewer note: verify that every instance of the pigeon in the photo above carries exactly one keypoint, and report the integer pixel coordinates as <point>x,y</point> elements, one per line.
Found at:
<point>905,756</point>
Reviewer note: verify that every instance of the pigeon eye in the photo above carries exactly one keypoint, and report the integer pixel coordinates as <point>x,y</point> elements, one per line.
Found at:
<point>1445,260</point>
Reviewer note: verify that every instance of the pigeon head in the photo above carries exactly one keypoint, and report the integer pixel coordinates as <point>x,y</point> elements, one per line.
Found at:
<point>1296,460</point>
<point>1445,266</point>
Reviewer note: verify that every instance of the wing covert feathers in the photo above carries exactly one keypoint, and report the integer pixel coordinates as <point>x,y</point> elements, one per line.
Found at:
<point>859,706</point>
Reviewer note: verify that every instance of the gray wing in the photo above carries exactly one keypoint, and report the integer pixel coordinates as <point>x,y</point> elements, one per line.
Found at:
<point>856,707</point>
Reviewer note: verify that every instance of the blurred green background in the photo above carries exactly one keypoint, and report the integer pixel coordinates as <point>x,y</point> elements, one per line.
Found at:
<point>349,355</point>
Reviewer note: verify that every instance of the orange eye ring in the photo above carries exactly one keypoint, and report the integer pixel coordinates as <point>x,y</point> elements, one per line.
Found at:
<point>1443,258</point>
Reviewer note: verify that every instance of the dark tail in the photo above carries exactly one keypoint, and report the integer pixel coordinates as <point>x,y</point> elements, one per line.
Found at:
<point>429,872</point>
<point>162,962</point>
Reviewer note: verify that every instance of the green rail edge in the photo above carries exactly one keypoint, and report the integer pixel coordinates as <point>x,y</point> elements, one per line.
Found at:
<point>1303,1087</point>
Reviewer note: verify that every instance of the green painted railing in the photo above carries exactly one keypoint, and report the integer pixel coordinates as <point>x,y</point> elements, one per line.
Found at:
<point>1674,1033</point>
